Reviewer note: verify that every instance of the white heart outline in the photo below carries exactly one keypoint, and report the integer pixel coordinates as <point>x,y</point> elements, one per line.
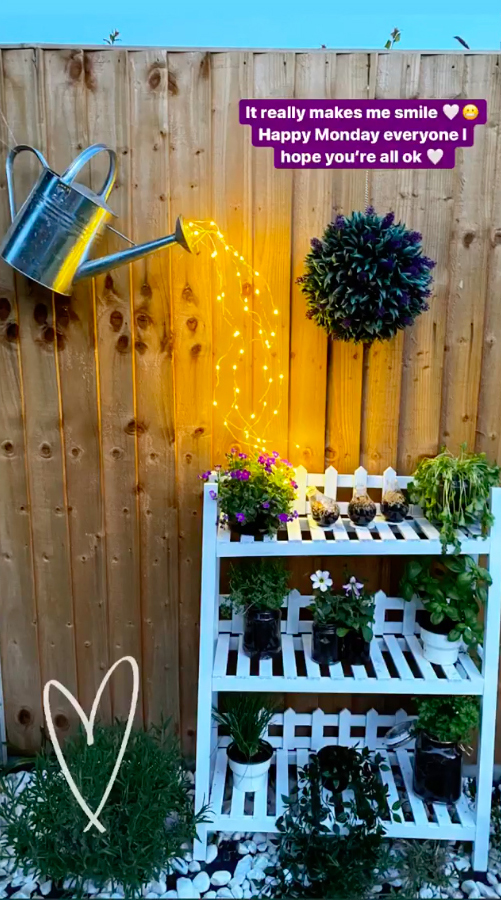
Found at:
<point>88,724</point>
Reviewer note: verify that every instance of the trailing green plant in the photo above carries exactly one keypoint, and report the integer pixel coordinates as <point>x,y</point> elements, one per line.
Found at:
<point>448,719</point>
<point>148,815</point>
<point>330,846</point>
<point>452,587</point>
<point>259,583</point>
<point>421,864</point>
<point>246,718</point>
<point>454,491</point>
<point>367,278</point>
<point>255,489</point>
<point>352,610</point>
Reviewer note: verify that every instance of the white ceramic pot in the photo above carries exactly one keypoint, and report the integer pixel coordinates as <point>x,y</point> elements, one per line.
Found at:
<point>250,777</point>
<point>437,648</point>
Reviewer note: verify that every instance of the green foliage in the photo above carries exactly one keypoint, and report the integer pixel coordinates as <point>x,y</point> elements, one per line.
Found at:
<point>454,491</point>
<point>367,278</point>
<point>352,610</point>
<point>421,863</point>
<point>330,847</point>
<point>113,37</point>
<point>495,829</point>
<point>246,718</point>
<point>148,815</point>
<point>256,489</point>
<point>447,718</point>
<point>450,588</point>
<point>259,583</point>
<point>393,39</point>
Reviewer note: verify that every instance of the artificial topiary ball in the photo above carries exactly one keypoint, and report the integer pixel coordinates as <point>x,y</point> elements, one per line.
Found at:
<point>366,278</point>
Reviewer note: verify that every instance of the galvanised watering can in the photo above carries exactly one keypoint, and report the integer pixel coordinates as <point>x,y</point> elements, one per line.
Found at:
<point>51,235</point>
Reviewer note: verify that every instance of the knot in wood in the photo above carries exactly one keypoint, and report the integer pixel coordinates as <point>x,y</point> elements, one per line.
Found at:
<point>123,343</point>
<point>45,450</point>
<point>146,290</point>
<point>25,717</point>
<point>12,332</point>
<point>5,309</point>
<point>141,347</point>
<point>8,448</point>
<point>143,320</point>
<point>468,238</point>
<point>116,320</point>
<point>196,349</point>
<point>192,323</point>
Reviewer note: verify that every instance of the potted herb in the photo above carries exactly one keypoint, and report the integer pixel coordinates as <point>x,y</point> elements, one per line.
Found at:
<point>454,491</point>
<point>342,623</point>
<point>361,508</point>
<point>452,590</point>
<point>256,492</point>
<point>258,588</point>
<point>443,725</point>
<point>247,717</point>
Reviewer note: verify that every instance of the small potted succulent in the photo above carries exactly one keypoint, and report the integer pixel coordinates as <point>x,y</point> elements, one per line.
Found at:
<point>257,589</point>
<point>246,718</point>
<point>361,508</point>
<point>454,491</point>
<point>342,623</point>
<point>452,590</point>
<point>443,726</point>
<point>256,492</point>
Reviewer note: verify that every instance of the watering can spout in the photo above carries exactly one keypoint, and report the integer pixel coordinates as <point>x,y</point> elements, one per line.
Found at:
<point>183,235</point>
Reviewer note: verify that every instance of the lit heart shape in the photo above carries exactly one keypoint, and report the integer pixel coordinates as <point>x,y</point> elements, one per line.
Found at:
<point>435,156</point>
<point>451,110</point>
<point>88,724</point>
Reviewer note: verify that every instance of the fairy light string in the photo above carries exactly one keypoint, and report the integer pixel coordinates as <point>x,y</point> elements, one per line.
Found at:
<point>237,282</point>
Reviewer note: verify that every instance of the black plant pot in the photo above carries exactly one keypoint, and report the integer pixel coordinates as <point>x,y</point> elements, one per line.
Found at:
<point>334,764</point>
<point>260,525</point>
<point>262,637</point>
<point>328,648</point>
<point>437,769</point>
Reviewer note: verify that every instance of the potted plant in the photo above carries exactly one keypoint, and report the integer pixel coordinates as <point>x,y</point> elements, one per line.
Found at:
<point>258,588</point>
<point>247,717</point>
<point>361,508</point>
<point>342,623</point>
<point>452,590</point>
<point>394,506</point>
<point>454,491</point>
<point>256,492</point>
<point>443,726</point>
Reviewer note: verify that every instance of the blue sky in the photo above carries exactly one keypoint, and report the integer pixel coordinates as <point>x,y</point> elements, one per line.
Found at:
<point>254,23</point>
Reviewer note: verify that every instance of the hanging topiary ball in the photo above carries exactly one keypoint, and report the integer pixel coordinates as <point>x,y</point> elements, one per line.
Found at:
<point>366,278</point>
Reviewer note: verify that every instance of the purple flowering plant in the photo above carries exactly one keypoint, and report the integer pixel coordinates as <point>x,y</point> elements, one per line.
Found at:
<point>256,490</point>
<point>351,609</point>
<point>367,278</point>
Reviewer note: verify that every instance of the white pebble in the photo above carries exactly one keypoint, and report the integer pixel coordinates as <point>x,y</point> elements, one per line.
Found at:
<point>237,891</point>
<point>498,890</point>
<point>257,875</point>
<point>259,837</point>
<point>247,894</point>
<point>202,882</point>
<point>194,866</point>
<point>224,892</point>
<point>158,887</point>
<point>211,853</point>
<point>44,887</point>
<point>242,868</point>
<point>220,878</point>
<point>185,889</point>
<point>171,894</point>
<point>180,865</point>
<point>468,886</point>
<point>426,892</point>
<point>210,895</point>
<point>462,863</point>
<point>261,847</point>
<point>236,836</point>
<point>246,847</point>
<point>491,878</point>
<point>486,890</point>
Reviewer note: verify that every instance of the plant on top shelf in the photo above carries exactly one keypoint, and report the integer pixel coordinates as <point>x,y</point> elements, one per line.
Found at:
<point>257,589</point>
<point>442,726</point>
<point>342,622</point>
<point>256,491</point>
<point>452,590</point>
<point>454,491</point>
<point>246,718</point>
<point>367,278</point>
<point>330,845</point>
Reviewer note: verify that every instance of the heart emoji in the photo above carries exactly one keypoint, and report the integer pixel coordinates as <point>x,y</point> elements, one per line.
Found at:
<point>451,110</point>
<point>88,724</point>
<point>435,156</point>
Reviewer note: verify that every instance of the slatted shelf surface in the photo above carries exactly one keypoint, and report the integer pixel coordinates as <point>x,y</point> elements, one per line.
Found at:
<point>233,810</point>
<point>396,665</point>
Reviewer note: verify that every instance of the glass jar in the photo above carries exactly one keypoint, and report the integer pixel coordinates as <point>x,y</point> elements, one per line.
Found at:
<point>262,636</point>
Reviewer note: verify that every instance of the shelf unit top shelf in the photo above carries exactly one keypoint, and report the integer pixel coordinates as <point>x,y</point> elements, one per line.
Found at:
<point>397,664</point>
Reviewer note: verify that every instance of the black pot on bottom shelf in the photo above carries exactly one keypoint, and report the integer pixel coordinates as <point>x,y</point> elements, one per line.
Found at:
<point>327,647</point>
<point>262,637</point>
<point>334,764</point>
<point>437,769</point>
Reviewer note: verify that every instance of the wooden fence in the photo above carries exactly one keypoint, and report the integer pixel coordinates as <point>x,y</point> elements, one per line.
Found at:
<point>106,415</point>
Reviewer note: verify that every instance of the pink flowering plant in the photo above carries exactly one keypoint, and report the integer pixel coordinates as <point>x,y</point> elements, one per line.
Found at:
<point>256,491</point>
<point>352,609</point>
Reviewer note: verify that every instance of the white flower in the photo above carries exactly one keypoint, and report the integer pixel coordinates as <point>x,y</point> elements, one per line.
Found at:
<point>353,585</point>
<point>322,581</point>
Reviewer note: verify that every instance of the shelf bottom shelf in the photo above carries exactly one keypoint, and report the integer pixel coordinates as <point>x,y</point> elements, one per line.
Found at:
<point>233,810</point>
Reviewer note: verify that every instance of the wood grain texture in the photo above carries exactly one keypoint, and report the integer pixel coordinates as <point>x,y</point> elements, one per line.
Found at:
<point>25,110</point>
<point>468,262</point>
<point>153,346</point>
<point>189,126</point>
<point>19,631</point>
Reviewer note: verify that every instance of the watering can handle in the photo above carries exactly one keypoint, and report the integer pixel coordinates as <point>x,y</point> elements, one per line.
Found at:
<point>9,170</point>
<point>84,158</point>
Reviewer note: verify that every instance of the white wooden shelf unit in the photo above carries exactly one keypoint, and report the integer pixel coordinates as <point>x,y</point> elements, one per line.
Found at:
<point>396,666</point>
